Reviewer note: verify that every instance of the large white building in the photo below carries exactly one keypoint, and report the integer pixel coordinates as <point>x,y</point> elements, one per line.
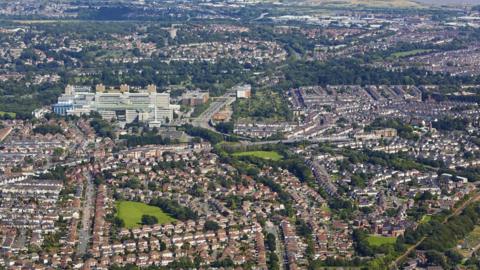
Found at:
<point>145,105</point>
<point>243,91</point>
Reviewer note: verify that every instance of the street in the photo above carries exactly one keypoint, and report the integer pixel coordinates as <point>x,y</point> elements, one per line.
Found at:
<point>84,234</point>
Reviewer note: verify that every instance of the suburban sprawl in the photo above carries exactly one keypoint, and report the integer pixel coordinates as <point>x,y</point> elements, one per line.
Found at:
<point>240,134</point>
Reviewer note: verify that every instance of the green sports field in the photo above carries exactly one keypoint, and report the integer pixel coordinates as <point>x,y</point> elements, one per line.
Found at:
<point>11,114</point>
<point>131,213</point>
<point>378,240</point>
<point>409,53</point>
<point>260,154</point>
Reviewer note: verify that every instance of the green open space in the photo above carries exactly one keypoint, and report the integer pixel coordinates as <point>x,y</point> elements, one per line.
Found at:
<point>409,53</point>
<point>272,155</point>
<point>131,213</point>
<point>425,219</point>
<point>11,114</point>
<point>378,240</point>
<point>265,105</point>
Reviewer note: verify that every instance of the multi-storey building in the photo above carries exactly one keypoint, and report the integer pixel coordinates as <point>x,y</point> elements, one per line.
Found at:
<point>145,105</point>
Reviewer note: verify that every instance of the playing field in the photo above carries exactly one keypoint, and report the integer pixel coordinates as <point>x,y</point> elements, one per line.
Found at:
<point>131,213</point>
<point>11,114</point>
<point>377,240</point>
<point>260,154</point>
<point>409,53</point>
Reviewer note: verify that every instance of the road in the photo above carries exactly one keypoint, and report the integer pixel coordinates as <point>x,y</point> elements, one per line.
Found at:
<point>280,251</point>
<point>85,231</point>
<point>218,103</point>
<point>261,16</point>
<point>322,177</point>
<point>203,120</point>
<point>312,140</point>
<point>70,161</point>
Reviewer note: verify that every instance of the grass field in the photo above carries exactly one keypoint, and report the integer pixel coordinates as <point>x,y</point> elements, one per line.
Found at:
<point>12,114</point>
<point>260,154</point>
<point>377,240</point>
<point>425,219</point>
<point>131,213</point>
<point>409,53</point>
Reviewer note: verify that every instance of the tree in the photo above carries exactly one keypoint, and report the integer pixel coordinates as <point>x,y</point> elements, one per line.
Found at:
<point>152,186</point>
<point>58,152</point>
<point>133,183</point>
<point>270,242</point>
<point>273,261</point>
<point>174,209</point>
<point>225,127</point>
<point>48,129</point>
<point>163,246</point>
<point>149,220</point>
<point>119,222</point>
<point>211,225</point>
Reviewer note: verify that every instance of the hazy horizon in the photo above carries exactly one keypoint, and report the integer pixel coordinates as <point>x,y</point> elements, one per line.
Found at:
<point>450,2</point>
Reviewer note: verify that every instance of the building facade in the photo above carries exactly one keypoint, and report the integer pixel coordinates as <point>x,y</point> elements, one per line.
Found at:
<point>145,105</point>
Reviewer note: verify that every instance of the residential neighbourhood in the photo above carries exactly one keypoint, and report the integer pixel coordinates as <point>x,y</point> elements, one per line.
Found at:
<point>239,134</point>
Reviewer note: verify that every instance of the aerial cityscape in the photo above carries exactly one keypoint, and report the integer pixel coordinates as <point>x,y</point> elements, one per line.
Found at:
<point>240,134</point>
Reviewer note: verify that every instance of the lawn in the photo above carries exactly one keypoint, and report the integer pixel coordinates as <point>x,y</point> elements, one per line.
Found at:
<point>409,53</point>
<point>378,240</point>
<point>11,114</point>
<point>425,219</point>
<point>272,155</point>
<point>131,213</point>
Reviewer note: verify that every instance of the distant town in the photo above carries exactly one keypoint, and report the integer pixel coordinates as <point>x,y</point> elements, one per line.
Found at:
<point>239,135</point>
